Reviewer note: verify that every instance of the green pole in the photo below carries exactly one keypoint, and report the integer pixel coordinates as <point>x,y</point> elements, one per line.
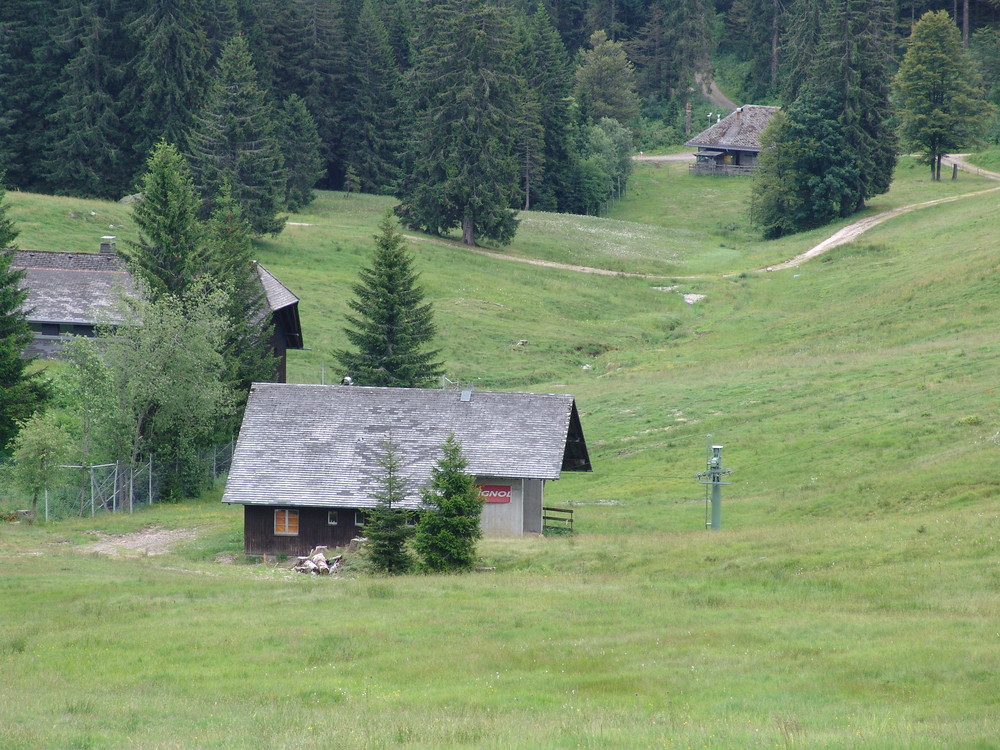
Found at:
<point>716,505</point>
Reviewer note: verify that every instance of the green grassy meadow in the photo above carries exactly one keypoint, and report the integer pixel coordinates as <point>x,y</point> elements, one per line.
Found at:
<point>851,600</point>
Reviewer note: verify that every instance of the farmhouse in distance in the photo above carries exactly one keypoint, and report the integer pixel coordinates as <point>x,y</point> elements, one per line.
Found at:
<point>732,144</point>
<point>70,293</point>
<point>306,464</point>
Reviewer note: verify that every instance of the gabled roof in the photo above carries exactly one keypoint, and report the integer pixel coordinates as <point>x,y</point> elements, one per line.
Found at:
<point>71,288</point>
<point>740,131</point>
<point>320,445</point>
<point>82,289</point>
<point>278,295</point>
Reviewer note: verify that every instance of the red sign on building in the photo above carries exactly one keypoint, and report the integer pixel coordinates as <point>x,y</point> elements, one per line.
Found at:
<point>495,493</point>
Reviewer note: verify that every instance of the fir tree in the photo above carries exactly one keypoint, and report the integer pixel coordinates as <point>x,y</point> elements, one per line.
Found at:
<point>235,141</point>
<point>87,152</point>
<point>371,143</point>
<point>549,82</point>
<point>246,343</point>
<point>387,524</point>
<point>300,148</point>
<point>605,81</point>
<point>169,253</point>
<point>392,324</point>
<point>940,108</point>
<point>170,72</point>
<point>852,63</point>
<point>450,527</point>
<point>801,180</point>
<point>465,93</point>
<point>306,51</point>
<point>20,393</point>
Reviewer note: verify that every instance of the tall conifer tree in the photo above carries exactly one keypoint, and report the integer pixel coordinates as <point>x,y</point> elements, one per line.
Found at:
<point>235,141</point>
<point>170,72</point>
<point>462,145</point>
<point>19,393</point>
<point>168,254</point>
<point>373,121</point>
<point>300,148</point>
<point>88,153</point>
<point>392,325</point>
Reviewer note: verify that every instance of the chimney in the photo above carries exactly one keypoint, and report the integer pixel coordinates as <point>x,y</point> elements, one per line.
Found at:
<point>108,244</point>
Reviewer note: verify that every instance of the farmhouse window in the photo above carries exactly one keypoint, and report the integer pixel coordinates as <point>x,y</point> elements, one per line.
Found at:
<point>331,518</point>
<point>286,522</point>
<point>359,518</point>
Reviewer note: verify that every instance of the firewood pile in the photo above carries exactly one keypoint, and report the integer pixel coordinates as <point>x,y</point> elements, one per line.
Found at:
<point>317,564</point>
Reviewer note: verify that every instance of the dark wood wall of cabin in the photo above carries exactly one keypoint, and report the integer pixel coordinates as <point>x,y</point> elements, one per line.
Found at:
<point>279,344</point>
<point>314,530</point>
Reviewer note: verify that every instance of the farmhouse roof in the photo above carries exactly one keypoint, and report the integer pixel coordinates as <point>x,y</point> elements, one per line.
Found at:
<point>82,288</point>
<point>320,446</point>
<point>71,288</point>
<point>740,131</point>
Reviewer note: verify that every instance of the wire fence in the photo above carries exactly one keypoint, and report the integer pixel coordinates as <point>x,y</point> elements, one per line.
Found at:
<point>88,490</point>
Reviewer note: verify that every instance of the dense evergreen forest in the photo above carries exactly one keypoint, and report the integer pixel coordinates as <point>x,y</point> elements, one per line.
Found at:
<point>534,105</point>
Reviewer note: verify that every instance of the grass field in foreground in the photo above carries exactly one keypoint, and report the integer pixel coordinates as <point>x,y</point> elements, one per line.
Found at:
<point>850,600</point>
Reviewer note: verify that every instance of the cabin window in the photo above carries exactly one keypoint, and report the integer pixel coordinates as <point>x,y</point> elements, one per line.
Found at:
<point>331,518</point>
<point>286,522</point>
<point>359,518</point>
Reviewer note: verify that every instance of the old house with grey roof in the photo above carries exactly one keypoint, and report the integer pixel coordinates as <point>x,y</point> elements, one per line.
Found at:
<point>70,293</point>
<point>306,464</point>
<point>732,144</point>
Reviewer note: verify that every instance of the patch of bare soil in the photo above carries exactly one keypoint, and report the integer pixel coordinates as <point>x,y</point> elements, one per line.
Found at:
<point>146,542</point>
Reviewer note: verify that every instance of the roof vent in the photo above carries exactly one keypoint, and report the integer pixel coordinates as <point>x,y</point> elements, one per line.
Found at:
<point>466,395</point>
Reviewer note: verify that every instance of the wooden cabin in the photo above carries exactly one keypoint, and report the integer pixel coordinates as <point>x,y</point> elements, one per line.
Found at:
<point>70,293</point>
<point>306,465</point>
<point>732,144</point>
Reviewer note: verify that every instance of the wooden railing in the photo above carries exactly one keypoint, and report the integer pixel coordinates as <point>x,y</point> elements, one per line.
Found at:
<point>557,519</point>
<point>724,170</point>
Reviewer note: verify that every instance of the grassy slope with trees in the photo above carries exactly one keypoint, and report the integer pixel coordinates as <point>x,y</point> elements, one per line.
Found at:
<point>850,600</point>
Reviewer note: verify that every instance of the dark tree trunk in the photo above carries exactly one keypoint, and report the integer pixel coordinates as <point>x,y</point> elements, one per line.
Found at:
<point>468,233</point>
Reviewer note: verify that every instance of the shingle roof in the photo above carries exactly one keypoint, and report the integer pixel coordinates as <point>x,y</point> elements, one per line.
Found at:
<point>71,288</point>
<point>77,288</point>
<point>278,295</point>
<point>740,131</point>
<point>316,445</point>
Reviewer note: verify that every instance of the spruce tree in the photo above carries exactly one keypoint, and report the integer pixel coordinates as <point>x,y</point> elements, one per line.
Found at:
<point>387,524</point>
<point>605,81</point>
<point>169,253</point>
<point>20,393</point>
<point>853,63</point>
<point>170,71</point>
<point>372,146</point>
<point>392,325</point>
<point>306,48</point>
<point>235,140</point>
<point>450,527</point>
<point>88,152</point>
<point>465,108</point>
<point>939,107</point>
<point>300,148</point>
<point>801,180</point>
<point>230,267</point>
<point>548,78</point>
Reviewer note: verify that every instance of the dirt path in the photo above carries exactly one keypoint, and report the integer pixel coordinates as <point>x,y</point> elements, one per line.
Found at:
<point>150,541</point>
<point>535,262</point>
<point>852,231</point>
<point>848,234</point>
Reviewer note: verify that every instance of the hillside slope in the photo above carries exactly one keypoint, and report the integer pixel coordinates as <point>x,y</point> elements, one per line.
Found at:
<point>849,601</point>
